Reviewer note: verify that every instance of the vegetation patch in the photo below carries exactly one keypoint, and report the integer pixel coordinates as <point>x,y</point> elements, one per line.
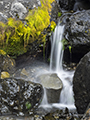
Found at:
<point>15,36</point>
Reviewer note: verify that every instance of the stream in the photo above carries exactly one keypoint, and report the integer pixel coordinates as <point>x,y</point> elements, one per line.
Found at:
<point>37,68</point>
<point>66,96</point>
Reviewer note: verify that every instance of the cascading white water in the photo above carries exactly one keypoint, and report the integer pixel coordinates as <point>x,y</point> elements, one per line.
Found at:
<point>57,1</point>
<point>57,49</point>
<point>66,97</point>
<point>44,101</point>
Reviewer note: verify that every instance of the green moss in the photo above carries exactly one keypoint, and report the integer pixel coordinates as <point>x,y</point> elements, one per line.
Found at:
<point>15,36</point>
<point>59,14</point>
<point>64,42</point>
<point>70,48</point>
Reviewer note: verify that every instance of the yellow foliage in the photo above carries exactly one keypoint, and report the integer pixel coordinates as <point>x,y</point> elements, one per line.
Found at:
<point>2,52</point>
<point>53,25</point>
<point>15,36</point>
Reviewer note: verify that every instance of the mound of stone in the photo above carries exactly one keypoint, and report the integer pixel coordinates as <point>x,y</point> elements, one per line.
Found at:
<point>81,84</point>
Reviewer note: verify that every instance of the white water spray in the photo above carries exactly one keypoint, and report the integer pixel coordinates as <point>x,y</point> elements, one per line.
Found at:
<point>44,101</point>
<point>57,49</point>
<point>66,97</point>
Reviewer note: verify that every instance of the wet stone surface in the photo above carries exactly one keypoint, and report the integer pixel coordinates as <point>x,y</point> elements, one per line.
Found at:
<point>19,97</point>
<point>53,115</point>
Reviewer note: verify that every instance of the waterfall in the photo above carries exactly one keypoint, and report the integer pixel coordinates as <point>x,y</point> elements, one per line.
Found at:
<point>57,49</point>
<point>57,1</point>
<point>66,97</point>
<point>44,101</point>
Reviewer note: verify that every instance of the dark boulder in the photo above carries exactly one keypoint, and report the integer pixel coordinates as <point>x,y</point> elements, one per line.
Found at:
<point>77,30</point>
<point>67,4</point>
<point>87,113</point>
<point>7,64</point>
<point>81,84</point>
<point>81,5</point>
<point>77,34</point>
<point>18,96</point>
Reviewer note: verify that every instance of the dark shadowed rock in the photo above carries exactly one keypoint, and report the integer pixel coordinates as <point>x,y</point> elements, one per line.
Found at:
<point>81,5</point>
<point>81,84</point>
<point>18,96</point>
<point>53,86</point>
<point>67,4</point>
<point>7,64</point>
<point>86,116</point>
<point>77,28</point>
<point>55,11</point>
<point>77,34</point>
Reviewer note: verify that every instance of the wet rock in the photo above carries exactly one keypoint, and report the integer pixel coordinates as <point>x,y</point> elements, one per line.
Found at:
<point>7,118</point>
<point>86,116</point>
<point>55,11</point>
<point>60,115</point>
<point>16,8</point>
<point>81,84</point>
<point>77,34</point>
<point>66,4</point>
<point>7,64</point>
<point>24,72</point>
<point>81,5</point>
<point>78,28</point>
<point>18,96</point>
<point>15,118</point>
<point>53,86</point>
<point>3,17</point>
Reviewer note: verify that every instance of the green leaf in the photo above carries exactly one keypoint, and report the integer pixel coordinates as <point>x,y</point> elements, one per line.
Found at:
<point>70,48</point>
<point>28,105</point>
<point>59,14</point>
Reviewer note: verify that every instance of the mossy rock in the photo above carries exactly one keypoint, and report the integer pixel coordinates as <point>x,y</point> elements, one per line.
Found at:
<point>6,63</point>
<point>15,36</point>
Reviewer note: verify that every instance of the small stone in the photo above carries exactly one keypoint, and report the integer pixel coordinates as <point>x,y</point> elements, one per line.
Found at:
<point>21,114</point>
<point>5,75</point>
<point>24,72</point>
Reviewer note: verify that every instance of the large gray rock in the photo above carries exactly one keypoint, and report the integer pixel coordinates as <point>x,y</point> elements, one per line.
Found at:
<point>81,84</point>
<point>53,86</point>
<point>18,96</point>
<point>16,8</point>
<point>77,33</point>
<point>77,29</point>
